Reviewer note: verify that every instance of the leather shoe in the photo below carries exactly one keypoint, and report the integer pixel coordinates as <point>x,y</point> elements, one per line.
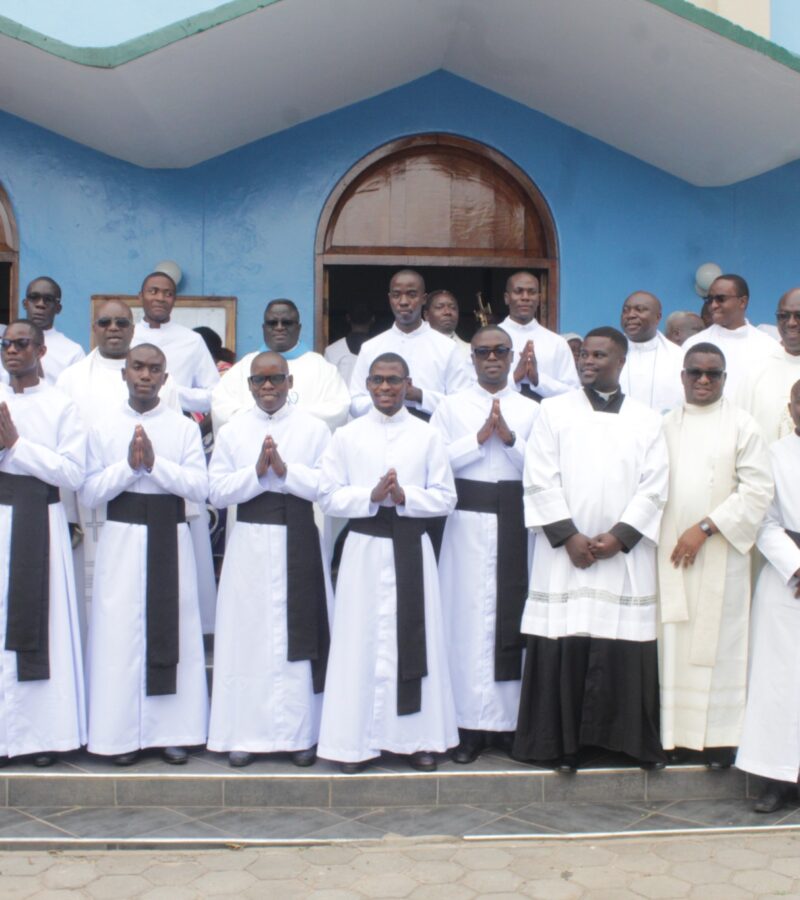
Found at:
<point>567,765</point>
<point>504,740</point>
<point>42,760</point>
<point>423,761</point>
<point>648,765</point>
<point>771,798</point>
<point>239,758</point>
<point>175,756</point>
<point>126,759</point>
<point>352,768</point>
<point>473,743</point>
<point>718,758</point>
<point>305,758</point>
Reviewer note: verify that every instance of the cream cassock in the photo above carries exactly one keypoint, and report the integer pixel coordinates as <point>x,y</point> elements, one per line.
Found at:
<point>261,703</point>
<point>468,560</point>
<point>122,718</point>
<point>359,717</point>
<point>41,716</point>
<point>770,744</point>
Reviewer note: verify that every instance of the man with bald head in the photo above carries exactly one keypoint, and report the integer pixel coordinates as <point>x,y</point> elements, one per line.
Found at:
<point>543,364</point>
<point>764,388</point>
<point>147,682</point>
<point>681,325</point>
<point>742,343</point>
<point>652,373</point>
<point>42,304</point>
<point>272,636</point>
<point>436,365</point>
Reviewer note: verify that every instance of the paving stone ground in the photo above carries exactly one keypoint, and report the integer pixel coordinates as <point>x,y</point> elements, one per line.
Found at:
<point>703,866</point>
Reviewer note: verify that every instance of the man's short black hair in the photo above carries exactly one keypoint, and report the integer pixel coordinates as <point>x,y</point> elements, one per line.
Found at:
<point>432,295</point>
<point>282,301</point>
<point>51,281</point>
<point>704,347</point>
<point>485,329</point>
<point>36,332</point>
<point>606,331</point>
<point>390,358</point>
<point>158,350</point>
<point>742,290</point>
<point>159,275</point>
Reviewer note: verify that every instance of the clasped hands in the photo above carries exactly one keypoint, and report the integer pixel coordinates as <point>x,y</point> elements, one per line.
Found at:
<point>527,366</point>
<point>584,551</point>
<point>388,486</point>
<point>8,430</point>
<point>140,450</point>
<point>270,458</point>
<point>495,424</point>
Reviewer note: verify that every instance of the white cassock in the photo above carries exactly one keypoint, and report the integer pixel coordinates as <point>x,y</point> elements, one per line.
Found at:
<point>340,355</point>
<point>122,717</point>
<point>261,703</point>
<point>764,392</point>
<point>554,359</point>
<point>468,559</point>
<point>95,385</point>
<point>44,716</point>
<point>464,348</point>
<point>189,363</point>
<point>770,743</point>
<point>437,366</point>
<point>718,468</point>
<point>743,347</point>
<point>61,353</point>
<point>652,373</point>
<point>359,715</point>
<point>318,389</point>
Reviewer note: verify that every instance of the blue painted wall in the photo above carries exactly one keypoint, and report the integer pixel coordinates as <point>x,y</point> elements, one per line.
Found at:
<point>244,223</point>
<point>785,24</point>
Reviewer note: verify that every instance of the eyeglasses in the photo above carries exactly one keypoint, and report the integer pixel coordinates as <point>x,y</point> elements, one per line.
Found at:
<point>276,379</point>
<point>120,322</point>
<point>721,298</point>
<point>35,296</point>
<point>283,323</point>
<point>19,343</point>
<point>391,380</point>
<point>500,351</point>
<point>784,316</point>
<point>697,374</point>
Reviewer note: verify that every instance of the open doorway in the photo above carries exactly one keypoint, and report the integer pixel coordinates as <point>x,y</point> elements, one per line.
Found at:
<point>369,284</point>
<point>9,260</point>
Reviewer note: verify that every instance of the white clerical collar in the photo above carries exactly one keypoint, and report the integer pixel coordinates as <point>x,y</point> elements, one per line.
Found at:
<point>164,326</point>
<point>533,325</point>
<point>736,333</point>
<point>503,392</point>
<point>644,346</point>
<point>277,416</point>
<point>422,328</point>
<point>694,409</point>
<point>149,414</point>
<point>108,362</point>
<point>398,418</point>
<point>40,385</point>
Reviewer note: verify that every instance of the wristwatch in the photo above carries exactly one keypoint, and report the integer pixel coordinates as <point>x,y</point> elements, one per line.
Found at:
<point>512,441</point>
<point>706,528</point>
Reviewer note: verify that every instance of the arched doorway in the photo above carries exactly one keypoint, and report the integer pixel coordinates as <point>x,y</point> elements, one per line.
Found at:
<point>9,260</point>
<point>456,210</point>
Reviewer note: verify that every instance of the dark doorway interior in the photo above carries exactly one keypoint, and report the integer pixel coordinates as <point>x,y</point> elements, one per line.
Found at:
<point>349,284</point>
<point>5,292</point>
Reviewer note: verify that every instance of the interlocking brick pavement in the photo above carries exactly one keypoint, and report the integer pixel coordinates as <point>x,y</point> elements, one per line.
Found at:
<point>705,866</point>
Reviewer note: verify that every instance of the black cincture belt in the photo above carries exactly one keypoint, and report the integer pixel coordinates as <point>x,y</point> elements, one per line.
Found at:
<point>504,499</point>
<point>28,616</point>
<point>412,657</point>
<point>306,604</point>
<point>160,513</point>
<point>527,391</point>
<point>794,535</point>
<point>419,413</point>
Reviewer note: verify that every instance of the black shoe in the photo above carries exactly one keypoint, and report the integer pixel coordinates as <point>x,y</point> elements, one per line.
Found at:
<point>4,761</point>
<point>567,765</point>
<point>649,766</point>
<point>240,758</point>
<point>503,740</point>
<point>422,761</point>
<point>175,756</point>
<point>305,758</point>
<point>473,743</point>
<point>125,759</point>
<point>352,768</point>
<point>772,797</point>
<point>43,760</point>
<point>718,758</point>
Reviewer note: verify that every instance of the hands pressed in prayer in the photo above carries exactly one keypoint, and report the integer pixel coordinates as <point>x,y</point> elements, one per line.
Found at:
<point>579,549</point>
<point>8,430</point>
<point>495,424</point>
<point>688,546</point>
<point>388,486</point>
<point>269,456</point>
<point>605,545</point>
<point>140,450</point>
<point>413,393</point>
<point>527,366</point>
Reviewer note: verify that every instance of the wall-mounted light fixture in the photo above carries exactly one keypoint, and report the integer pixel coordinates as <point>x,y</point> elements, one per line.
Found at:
<point>704,278</point>
<point>171,268</point>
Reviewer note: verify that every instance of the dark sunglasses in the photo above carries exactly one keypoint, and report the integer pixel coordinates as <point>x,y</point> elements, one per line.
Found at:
<point>19,343</point>
<point>711,374</point>
<point>119,321</point>
<point>284,323</point>
<point>35,295</point>
<point>377,380</point>
<point>486,352</point>
<point>784,316</point>
<point>258,380</point>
